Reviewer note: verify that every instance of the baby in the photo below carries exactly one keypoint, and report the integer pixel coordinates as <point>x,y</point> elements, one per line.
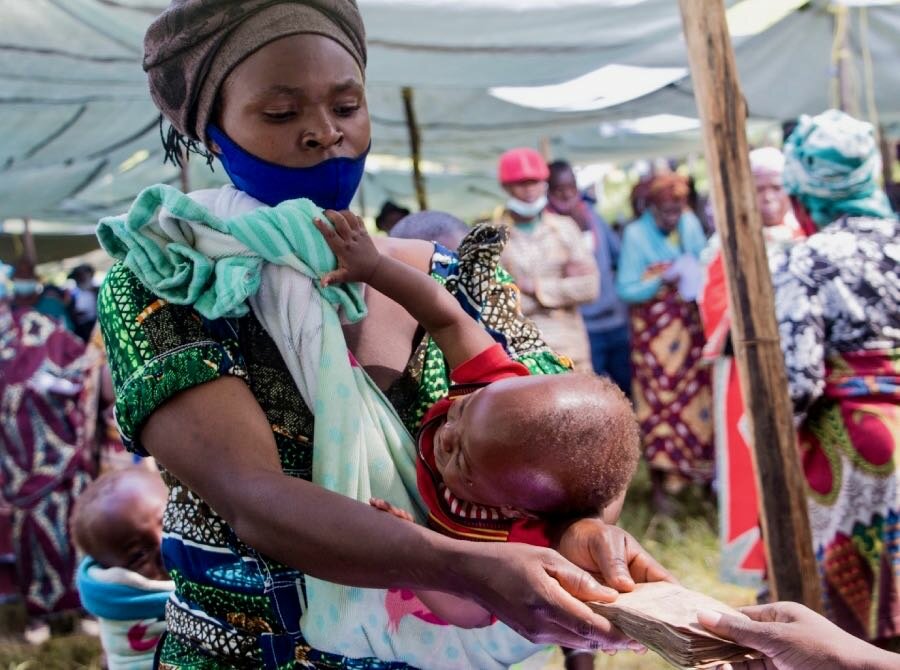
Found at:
<point>117,522</point>
<point>505,453</point>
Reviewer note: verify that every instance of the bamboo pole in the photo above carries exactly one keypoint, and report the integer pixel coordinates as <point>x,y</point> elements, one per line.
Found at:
<point>793,574</point>
<point>415,147</point>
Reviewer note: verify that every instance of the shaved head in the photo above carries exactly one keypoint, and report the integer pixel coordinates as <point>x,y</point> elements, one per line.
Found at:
<point>546,444</point>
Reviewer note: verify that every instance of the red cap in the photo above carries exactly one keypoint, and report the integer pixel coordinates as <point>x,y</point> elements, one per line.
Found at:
<point>522,164</point>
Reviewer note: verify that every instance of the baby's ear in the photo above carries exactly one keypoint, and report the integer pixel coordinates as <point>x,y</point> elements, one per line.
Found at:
<point>509,512</point>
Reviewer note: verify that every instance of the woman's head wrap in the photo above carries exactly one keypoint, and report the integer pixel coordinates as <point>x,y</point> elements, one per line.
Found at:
<point>668,186</point>
<point>832,165</point>
<point>191,47</point>
<point>767,160</point>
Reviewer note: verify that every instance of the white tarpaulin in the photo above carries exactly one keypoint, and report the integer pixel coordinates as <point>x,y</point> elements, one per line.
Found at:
<point>79,135</point>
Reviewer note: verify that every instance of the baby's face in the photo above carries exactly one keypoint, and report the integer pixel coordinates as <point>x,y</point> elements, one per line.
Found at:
<point>133,538</point>
<point>480,454</point>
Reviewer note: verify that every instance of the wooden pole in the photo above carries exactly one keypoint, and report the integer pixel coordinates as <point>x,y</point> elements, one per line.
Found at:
<point>793,574</point>
<point>545,150</point>
<point>415,147</point>
<point>29,248</point>
<point>887,158</point>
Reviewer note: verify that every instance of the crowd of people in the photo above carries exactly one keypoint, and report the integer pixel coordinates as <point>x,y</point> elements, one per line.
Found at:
<point>269,362</point>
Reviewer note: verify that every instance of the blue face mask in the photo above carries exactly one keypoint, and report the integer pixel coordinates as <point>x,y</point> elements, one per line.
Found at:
<point>330,184</point>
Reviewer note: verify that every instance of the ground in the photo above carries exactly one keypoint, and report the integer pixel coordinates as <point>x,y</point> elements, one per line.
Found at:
<point>687,545</point>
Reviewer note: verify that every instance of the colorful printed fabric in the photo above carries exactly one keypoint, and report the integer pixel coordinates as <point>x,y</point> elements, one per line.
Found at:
<point>270,258</point>
<point>671,388</point>
<point>131,611</point>
<point>832,166</point>
<point>837,298</point>
<point>225,612</point>
<point>742,554</point>
<point>448,514</point>
<point>45,461</point>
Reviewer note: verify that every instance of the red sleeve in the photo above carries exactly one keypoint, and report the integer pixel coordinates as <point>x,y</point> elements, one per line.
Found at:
<point>714,301</point>
<point>490,365</point>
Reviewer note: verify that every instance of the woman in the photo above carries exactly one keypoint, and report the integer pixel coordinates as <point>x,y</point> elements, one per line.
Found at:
<point>276,91</point>
<point>837,299</point>
<point>743,559</point>
<point>547,257</point>
<point>658,275</point>
<point>606,318</point>
<point>46,458</point>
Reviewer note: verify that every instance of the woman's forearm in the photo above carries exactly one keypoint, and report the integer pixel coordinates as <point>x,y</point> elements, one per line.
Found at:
<point>217,441</point>
<point>560,292</point>
<point>342,540</point>
<point>639,291</point>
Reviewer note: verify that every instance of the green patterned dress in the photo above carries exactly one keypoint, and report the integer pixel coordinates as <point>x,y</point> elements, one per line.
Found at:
<point>234,607</point>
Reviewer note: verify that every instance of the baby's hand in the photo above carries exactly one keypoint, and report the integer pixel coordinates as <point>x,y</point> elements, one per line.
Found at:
<point>356,253</point>
<point>385,506</point>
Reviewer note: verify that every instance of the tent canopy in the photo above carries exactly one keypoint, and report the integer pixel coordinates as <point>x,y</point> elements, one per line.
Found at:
<point>80,134</point>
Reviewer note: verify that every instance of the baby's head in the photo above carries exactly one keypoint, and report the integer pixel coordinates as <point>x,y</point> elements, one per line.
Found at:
<point>549,445</point>
<point>117,521</point>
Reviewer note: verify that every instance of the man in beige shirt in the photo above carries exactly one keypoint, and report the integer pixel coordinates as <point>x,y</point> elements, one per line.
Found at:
<point>548,257</point>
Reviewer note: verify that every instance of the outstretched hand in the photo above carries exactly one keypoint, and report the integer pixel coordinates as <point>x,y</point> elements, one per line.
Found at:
<point>611,553</point>
<point>348,238</point>
<point>793,637</point>
<point>541,595</point>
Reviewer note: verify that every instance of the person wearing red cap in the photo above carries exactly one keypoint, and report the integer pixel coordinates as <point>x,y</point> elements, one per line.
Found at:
<point>546,255</point>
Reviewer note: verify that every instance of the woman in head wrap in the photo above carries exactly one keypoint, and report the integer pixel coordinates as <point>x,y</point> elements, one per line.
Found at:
<point>837,300</point>
<point>658,275</point>
<point>743,558</point>
<point>547,256</point>
<point>46,455</point>
<point>276,91</point>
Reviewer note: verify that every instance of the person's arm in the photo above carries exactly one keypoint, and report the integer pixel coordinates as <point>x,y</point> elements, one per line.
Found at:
<point>801,327</point>
<point>580,284</point>
<point>713,301</point>
<point>793,637</point>
<point>229,458</point>
<point>452,609</point>
<point>459,337</point>
<point>631,284</point>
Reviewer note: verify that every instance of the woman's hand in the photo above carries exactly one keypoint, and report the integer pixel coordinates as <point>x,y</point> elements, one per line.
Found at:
<point>794,637</point>
<point>611,553</point>
<point>350,241</point>
<point>539,594</point>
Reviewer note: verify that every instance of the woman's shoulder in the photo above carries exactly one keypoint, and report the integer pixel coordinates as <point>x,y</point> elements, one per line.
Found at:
<point>636,229</point>
<point>150,339</point>
<point>416,253</point>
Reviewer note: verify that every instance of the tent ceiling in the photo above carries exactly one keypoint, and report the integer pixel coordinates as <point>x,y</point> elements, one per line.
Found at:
<point>80,136</point>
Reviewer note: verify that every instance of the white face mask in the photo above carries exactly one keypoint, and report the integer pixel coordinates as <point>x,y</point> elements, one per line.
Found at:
<point>527,210</point>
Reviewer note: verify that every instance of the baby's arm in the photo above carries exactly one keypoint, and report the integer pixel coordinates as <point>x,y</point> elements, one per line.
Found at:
<point>458,335</point>
<point>454,610</point>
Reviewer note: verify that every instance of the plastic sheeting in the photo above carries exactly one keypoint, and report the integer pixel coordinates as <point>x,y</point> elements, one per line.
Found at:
<point>78,133</point>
